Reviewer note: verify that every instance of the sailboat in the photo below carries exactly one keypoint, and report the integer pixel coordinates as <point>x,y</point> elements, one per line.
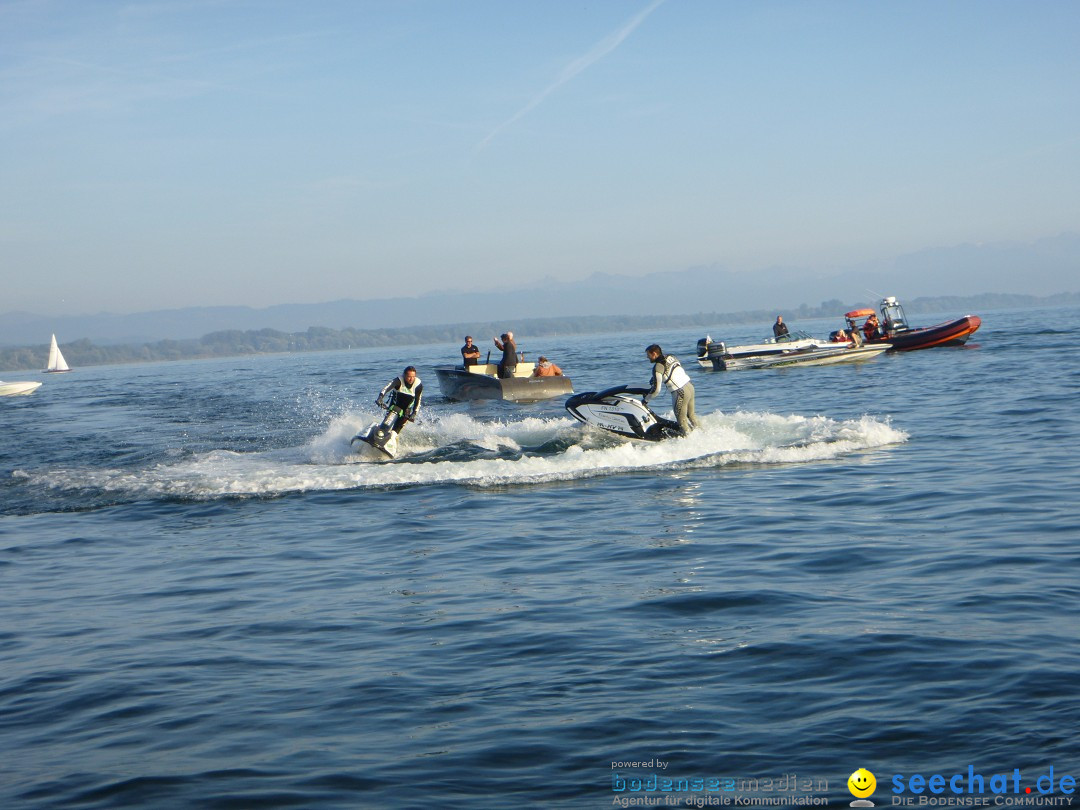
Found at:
<point>56,362</point>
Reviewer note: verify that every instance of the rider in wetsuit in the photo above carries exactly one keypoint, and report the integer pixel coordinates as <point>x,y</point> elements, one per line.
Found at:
<point>667,370</point>
<point>406,393</point>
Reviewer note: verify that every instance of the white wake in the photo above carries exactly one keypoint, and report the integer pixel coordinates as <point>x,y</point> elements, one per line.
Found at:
<point>458,449</point>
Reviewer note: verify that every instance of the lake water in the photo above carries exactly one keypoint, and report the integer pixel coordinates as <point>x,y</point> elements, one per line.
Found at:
<point>208,601</point>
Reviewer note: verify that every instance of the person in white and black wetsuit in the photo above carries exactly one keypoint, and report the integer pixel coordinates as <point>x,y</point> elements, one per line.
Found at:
<point>406,393</point>
<point>667,370</point>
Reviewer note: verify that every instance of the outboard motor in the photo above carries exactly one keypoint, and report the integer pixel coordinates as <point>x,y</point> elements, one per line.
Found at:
<point>708,350</point>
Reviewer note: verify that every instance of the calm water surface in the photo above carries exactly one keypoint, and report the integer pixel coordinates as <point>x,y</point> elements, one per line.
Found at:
<point>208,601</point>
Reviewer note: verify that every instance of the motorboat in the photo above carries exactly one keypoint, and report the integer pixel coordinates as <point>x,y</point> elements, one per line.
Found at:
<point>18,389</point>
<point>481,381</point>
<point>620,410</point>
<point>710,353</point>
<point>796,348</point>
<point>895,331</point>
<point>822,354</point>
<point>56,362</point>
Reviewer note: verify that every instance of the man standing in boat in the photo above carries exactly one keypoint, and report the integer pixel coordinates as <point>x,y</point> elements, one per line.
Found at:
<point>779,329</point>
<point>508,364</point>
<point>667,370</point>
<point>406,393</point>
<point>470,354</point>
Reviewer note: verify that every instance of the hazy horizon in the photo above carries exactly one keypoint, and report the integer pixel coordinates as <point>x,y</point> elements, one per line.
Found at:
<point>183,154</point>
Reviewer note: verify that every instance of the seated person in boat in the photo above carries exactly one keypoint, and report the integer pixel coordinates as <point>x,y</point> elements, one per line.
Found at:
<point>854,335</point>
<point>508,364</point>
<point>779,329</point>
<point>839,336</point>
<point>872,328</point>
<point>545,368</point>
<point>470,354</point>
<point>406,392</point>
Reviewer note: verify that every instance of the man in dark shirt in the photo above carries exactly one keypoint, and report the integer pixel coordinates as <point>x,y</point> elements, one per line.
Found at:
<point>470,354</point>
<point>508,364</point>
<point>779,329</point>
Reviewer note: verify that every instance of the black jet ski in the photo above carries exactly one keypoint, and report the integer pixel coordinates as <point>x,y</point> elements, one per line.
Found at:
<point>619,410</point>
<point>380,436</point>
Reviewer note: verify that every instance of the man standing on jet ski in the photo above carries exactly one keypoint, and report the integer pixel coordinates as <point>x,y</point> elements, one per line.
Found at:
<point>406,393</point>
<point>667,370</point>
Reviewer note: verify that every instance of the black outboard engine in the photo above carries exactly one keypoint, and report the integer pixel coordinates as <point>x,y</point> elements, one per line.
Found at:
<point>710,352</point>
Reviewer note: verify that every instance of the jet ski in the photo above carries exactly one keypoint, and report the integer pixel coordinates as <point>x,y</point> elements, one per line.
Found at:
<point>620,410</point>
<point>379,439</point>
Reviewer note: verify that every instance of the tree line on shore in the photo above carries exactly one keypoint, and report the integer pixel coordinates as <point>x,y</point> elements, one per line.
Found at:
<point>231,343</point>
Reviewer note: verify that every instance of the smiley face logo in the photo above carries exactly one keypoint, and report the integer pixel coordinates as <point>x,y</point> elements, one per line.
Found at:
<point>861,783</point>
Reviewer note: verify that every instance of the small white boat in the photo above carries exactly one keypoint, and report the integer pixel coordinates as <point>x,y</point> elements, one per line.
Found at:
<point>56,363</point>
<point>824,354</point>
<point>18,389</point>
<point>710,353</point>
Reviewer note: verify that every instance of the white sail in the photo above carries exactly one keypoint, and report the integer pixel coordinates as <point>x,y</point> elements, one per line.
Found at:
<point>56,358</point>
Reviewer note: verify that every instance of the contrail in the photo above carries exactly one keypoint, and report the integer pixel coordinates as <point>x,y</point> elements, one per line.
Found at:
<point>598,52</point>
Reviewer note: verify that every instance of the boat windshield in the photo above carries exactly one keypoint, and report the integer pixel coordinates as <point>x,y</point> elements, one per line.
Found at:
<point>893,313</point>
<point>790,337</point>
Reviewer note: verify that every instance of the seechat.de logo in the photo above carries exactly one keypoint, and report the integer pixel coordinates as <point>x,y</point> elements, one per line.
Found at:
<point>861,784</point>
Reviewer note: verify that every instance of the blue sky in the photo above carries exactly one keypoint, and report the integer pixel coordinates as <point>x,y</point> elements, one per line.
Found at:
<point>202,152</point>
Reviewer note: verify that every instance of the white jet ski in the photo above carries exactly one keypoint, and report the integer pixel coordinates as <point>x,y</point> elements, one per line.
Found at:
<point>379,440</point>
<point>619,410</point>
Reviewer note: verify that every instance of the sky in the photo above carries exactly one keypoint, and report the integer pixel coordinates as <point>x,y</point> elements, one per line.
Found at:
<point>174,153</point>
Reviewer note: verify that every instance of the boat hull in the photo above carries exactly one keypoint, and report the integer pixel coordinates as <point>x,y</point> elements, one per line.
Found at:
<point>457,383</point>
<point>950,333</point>
<point>18,389</point>
<point>806,357</point>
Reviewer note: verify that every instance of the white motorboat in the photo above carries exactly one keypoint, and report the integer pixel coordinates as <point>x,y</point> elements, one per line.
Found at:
<point>823,354</point>
<point>18,389</point>
<point>56,363</point>
<point>710,353</point>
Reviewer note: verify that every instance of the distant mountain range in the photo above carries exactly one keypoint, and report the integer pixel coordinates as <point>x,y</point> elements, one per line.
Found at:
<point>1042,268</point>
